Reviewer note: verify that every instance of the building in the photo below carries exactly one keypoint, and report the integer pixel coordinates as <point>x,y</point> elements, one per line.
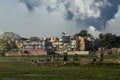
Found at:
<point>84,43</point>
<point>63,42</point>
<point>31,44</point>
<point>73,43</point>
<point>55,43</point>
<point>28,47</point>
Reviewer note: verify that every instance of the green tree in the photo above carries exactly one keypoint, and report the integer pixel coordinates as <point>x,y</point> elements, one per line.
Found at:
<point>110,40</point>
<point>36,39</point>
<point>107,40</point>
<point>83,33</point>
<point>117,42</point>
<point>7,41</point>
<point>101,36</point>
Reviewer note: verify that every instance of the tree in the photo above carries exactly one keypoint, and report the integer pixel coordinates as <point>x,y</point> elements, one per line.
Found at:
<point>36,39</point>
<point>101,36</point>
<point>7,41</point>
<point>117,42</point>
<point>107,40</point>
<point>110,40</point>
<point>2,43</point>
<point>82,33</point>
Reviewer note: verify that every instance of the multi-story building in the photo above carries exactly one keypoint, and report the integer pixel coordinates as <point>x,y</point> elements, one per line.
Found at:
<point>31,44</point>
<point>55,43</point>
<point>82,44</point>
<point>73,43</point>
<point>85,43</point>
<point>63,41</point>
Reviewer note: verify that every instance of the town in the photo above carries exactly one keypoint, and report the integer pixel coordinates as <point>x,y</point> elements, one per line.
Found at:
<point>66,57</point>
<point>59,39</point>
<point>81,43</point>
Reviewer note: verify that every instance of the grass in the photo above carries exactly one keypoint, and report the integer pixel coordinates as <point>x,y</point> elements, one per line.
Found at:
<point>20,68</point>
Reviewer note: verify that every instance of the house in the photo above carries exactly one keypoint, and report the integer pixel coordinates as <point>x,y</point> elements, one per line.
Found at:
<point>31,44</point>
<point>33,47</point>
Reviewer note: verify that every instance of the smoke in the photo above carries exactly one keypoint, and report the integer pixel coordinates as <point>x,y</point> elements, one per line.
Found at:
<point>31,4</point>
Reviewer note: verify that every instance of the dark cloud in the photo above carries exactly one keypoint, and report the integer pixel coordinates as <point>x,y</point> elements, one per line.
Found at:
<point>49,9</point>
<point>98,23</point>
<point>107,13</point>
<point>60,1</point>
<point>31,4</point>
<point>69,15</point>
<point>100,10</point>
<point>67,5</point>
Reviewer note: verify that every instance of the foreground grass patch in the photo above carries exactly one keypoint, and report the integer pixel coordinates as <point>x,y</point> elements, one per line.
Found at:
<point>13,68</point>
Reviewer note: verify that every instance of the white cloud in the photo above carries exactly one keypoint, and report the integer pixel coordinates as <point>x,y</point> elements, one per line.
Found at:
<point>95,33</point>
<point>40,22</point>
<point>84,7</point>
<point>81,8</point>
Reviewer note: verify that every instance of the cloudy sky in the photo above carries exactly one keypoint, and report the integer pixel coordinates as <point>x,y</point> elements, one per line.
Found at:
<point>45,18</point>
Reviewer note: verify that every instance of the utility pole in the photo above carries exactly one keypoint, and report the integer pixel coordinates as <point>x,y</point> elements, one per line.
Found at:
<point>104,25</point>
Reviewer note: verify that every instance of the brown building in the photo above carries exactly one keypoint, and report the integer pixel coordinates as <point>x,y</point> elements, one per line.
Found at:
<point>83,43</point>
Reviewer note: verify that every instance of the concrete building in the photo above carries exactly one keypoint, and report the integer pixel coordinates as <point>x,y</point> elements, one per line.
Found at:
<point>84,43</point>
<point>73,43</point>
<point>63,41</point>
<point>55,43</point>
<point>42,47</point>
<point>31,44</point>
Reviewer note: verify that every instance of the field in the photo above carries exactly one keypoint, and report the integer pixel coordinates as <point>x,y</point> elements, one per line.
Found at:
<point>21,68</point>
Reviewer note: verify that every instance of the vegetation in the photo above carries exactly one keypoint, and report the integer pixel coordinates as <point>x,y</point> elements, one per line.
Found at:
<point>34,39</point>
<point>7,41</point>
<point>20,68</point>
<point>109,40</point>
<point>83,33</point>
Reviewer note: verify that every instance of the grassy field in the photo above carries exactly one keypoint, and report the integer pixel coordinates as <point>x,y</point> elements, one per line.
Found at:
<point>20,68</point>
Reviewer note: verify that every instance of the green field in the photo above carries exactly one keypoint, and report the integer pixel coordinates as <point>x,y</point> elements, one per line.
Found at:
<point>20,68</point>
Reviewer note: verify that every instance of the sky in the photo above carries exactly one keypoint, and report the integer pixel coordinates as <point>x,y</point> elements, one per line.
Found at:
<point>49,18</point>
